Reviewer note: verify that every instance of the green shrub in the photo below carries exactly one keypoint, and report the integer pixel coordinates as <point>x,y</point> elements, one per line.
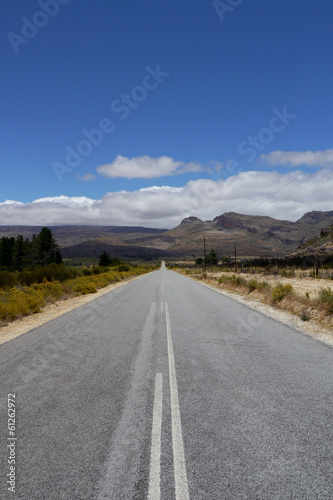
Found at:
<point>252,285</point>
<point>97,270</point>
<point>50,290</point>
<point>123,267</point>
<point>7,279</point>
<point>263,285</point>
<point>237,280</point>
<point>280,292</point>
<point>326,297</point>
<point>20,302</point>
<point>305,316</point>
<point>85,288</point>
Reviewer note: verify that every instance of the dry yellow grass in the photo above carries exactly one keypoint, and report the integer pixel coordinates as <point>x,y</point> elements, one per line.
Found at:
<point>298,296</point>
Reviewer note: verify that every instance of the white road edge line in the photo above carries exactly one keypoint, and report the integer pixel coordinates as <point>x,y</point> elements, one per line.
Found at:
<point>154,492</point>
<point>181,485</point>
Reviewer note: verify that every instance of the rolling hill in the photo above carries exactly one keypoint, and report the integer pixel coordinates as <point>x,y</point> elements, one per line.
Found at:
<point>254,236</point>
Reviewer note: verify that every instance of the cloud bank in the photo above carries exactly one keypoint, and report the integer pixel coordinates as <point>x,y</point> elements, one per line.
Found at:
<point>283,196</point>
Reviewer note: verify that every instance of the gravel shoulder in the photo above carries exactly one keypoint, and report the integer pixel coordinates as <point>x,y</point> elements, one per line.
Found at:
<point>52,311</point>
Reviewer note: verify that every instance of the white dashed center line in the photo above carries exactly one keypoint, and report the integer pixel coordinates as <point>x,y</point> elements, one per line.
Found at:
<point>181,485</point>
<point>155,459</point>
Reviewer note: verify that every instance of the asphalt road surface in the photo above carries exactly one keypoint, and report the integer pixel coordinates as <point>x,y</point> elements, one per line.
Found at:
<point>164,388</point>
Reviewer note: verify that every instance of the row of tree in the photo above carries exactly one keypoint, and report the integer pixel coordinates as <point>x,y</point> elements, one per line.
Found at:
<point>300,261</point>
<point>210,259</point>
<point>19,253</point>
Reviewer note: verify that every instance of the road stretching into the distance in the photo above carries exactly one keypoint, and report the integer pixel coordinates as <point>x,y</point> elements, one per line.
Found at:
<point>164,388</point>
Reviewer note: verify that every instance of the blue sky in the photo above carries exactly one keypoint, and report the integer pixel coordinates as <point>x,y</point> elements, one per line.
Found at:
<point>142,113</point>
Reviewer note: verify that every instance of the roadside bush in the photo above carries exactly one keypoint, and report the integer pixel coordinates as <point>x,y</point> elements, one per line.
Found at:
<point>7,280</point>
<point>326,297</point>
<point>263,286</point>
<point>50,290</point>
<point>84,288</point>
<point>114,276</point>
<point>280,292</point>
<point>123,268</point>
<point>238,280</point>
<point>97,270</point>
<point>305,315</point>
<point>52,272</point>
<point>252,285</point>
<point>17,300</point>
<point>20,302</point>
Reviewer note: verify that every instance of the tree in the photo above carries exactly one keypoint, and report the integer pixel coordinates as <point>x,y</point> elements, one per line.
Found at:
<point>46,247</point>
<point>199,261</point>
<point>44,244</point>
<point>19,253</point>
<point>211,258</point>
<point>226,261</point>
<point>58,257</point>
<point>6,251</point>
<point>104,259</point>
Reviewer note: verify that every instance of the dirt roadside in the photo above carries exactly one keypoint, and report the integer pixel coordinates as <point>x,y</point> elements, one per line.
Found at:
<point>314,328</point>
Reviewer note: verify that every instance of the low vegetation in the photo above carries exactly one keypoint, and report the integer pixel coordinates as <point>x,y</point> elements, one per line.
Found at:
<point>326,298</point>
<point>33,275</point>
<point>27,292</point>
<point>279,295</point>
<point>280,292</point>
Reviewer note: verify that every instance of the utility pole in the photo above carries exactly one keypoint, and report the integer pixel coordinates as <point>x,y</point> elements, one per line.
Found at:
<point>235,258</point>
<point>205,252</point>
<point>94,257</point>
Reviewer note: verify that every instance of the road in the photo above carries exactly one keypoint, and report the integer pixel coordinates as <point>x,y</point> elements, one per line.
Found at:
<point>164,388</point>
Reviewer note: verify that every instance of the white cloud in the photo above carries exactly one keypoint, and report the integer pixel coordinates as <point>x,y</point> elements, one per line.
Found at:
<point>283,196</point>
<point>298,158</point>
<point>145,167</point>
<point>11,202</point>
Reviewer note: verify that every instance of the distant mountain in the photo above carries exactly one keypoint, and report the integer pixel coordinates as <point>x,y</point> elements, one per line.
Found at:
<point>254,236</point>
